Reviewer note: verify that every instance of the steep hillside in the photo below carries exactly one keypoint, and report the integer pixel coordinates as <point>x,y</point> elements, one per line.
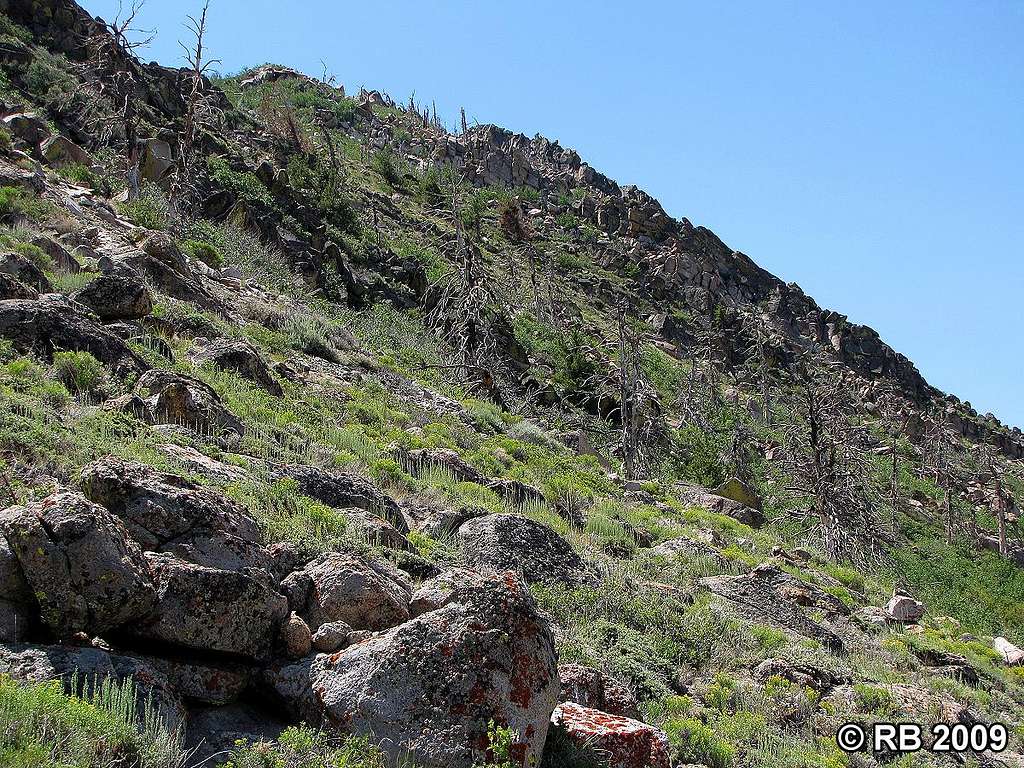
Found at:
<point>330,437</point>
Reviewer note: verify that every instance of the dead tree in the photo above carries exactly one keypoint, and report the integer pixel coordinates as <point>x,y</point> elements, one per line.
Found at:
<point>115,86</point>
<point>699,397</point>
<point>201,114</point>
<point>462,300</point>
<point>938,439</point>
<point>827,460</point>
<point>640,427</point>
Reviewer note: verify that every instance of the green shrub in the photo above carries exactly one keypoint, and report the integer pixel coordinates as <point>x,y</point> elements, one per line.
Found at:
<point>80,372</point>
<point>304,747</point>
<point>386,164</point>
<point>35,254</point>
<point>694,742</point>
<point>242,184</point>
<point>149,210</point>
<point>48,78</point>
<point>17,203</point>
<point>42,727</point>
<point>6,143</point>
<point>205,252</point>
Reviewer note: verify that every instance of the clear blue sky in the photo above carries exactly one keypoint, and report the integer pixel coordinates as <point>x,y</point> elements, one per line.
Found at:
<point>871,152</point>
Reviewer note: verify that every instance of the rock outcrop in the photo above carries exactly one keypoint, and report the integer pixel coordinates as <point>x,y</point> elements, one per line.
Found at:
<point>429,687</point>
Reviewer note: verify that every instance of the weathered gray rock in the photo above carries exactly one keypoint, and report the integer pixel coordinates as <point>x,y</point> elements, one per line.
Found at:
<point>84,570</point>
<point>24,271</point>
<point>235,612</point>
<point>800,673</point>
<point>239,357</point>
<point>119,294</point>
<point>704,499</point>
<point>430,686</point>
<point>512,543</point>
<point>168,513</point>
<point>1011,654</point>
<point>162,263</point>
<point>11,288</point>
<point>341,490</point>
<point>754,595</point>
<point>174,398</point>
<point>331,636</point>
<point>904,608</point>
<point>341,586</point>
<point>51,323</point>
<point>691,548</point>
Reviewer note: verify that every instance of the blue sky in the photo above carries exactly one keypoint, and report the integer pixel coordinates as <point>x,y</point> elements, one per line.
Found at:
<point>871,152</point>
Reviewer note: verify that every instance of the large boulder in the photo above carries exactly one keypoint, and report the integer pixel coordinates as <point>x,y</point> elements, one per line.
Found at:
<point>161,262</point>
<point>174,398</point>
<point>11,288</point>
<point>341,586</point>
<point>591,688</point>
<point>513,543</point>
<point>429,687</point>
<point>51,323</point>
<point>904,608</point>
<point>239,357</point>
<point>758,597</point>
<point>84,570</point>
<point>24,271</point>
<point>168,513</point>
<point>621,741</point>
<point>119,294</point>
<point>709,501</point>
<point>207,609</point>
<point>736,490</point>
<point>341,490</point>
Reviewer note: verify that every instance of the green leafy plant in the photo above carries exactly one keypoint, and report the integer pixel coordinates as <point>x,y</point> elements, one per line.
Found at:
<point>80,372</point>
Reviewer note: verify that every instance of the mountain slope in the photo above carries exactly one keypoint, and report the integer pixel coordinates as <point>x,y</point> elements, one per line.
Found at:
<point>412,436</point>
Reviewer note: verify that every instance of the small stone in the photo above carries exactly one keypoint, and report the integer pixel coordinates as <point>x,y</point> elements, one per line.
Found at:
<point>296,637</point>
<point>332,636</point>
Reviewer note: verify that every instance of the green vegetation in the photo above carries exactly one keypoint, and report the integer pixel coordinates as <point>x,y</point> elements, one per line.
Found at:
<point>42,727</point>
<point>150,209</point>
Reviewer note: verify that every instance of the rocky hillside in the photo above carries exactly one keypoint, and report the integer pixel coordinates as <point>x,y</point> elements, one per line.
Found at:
<point>331,437</point>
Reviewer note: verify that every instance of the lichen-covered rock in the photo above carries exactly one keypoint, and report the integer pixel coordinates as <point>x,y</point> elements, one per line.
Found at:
<point>174,398</point>
<point>208,609</point>
<point>430,686</point>
<point>341,490</point>
<point>83,568</point>
<point>119,294</point>
<point>438,591</point>
<point>622,742</point>
<point>168,513</point>
<point>239,357</point>
<point>593,689</point>
<point>736,490</point>
<point>341,586</point>
<point>50,323</point>
<point>515,543</point>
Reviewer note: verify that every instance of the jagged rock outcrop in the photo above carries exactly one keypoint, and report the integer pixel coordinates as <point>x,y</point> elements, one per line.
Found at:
<point>85,572</point>
<point>49,323</point>
<point>240,357</point>
<point>167,513</point>
<point>430,686</point>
